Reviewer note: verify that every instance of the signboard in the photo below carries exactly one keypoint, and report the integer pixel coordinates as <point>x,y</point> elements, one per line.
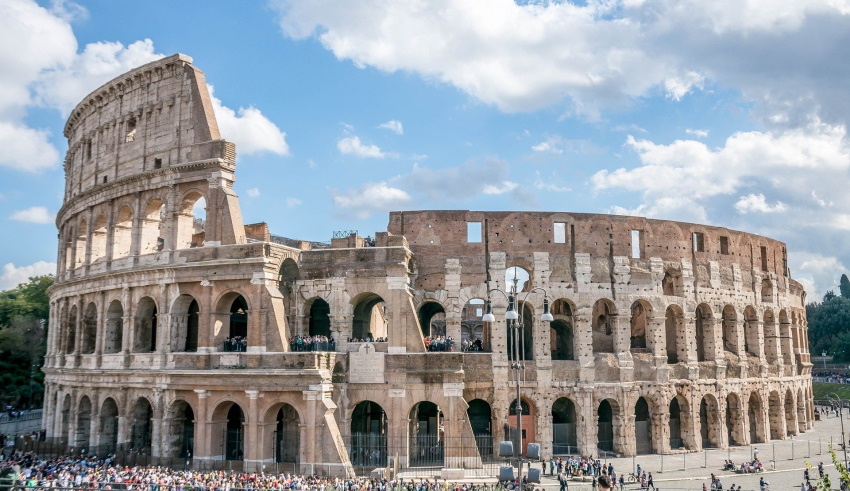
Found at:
<point>366,366</point>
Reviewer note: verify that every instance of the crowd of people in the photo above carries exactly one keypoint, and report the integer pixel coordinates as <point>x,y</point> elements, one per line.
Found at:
<point>367,339</point>
<point>312,343</point>
<point>475,345</point>
<point>439,343</point>
<point>236,343</point>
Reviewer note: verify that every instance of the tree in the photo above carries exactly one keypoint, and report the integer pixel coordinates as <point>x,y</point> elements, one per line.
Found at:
<point>844,286</point>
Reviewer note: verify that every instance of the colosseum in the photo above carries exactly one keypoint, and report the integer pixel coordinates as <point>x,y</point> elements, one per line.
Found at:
<point>180,332</point>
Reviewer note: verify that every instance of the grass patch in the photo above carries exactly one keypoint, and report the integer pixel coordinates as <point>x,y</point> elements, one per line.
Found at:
<point>821,389</point>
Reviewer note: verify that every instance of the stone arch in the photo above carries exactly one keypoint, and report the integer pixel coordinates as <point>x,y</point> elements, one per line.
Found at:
<point>68,239</point>
<point>228,431</point>
<point>83,426</point>
<point>641,311</point>
<point>191,221</point>
<point>231,320</point>
<point>643,427</point>
<point>108,426</point>
<point>729,319</point>
<point>679,422</point>
<point>65,421</point>
<point>524,336</point>
<point>790,422</point>
<point>140,422</point>
<point>672,284</point>
<point>369,320</point>
<point>710,422</point>
<point>519,274</point>
<point>776,415</point>
<point>114,333</point>
<point>368,435</point>
<point>426,435</point>
<point>185,323</point>
<point>98,238</point>
<point>152,225</point>
<point>562,330</point>
<point>755,418</point>
<point>480,418</point>
<point>432,319</point>
<point>772,348</point>
<point>564,427</point>
<point>180,431</point>
<point>734,420</point>
<point>473,330</point>
<point>71,336</point>
<point>603,325</point>
<point>89,331</point>
<point>288,275</point>
<point>766,291</point>
<point>751,331</point>
<point>144,339</point>
<point>81,241</point>
<point>704,332</point>
<point>122,232</point>
<point>281,424</point>
<point>607,414</point>
<point>674,329</point>
<point>319,321</point>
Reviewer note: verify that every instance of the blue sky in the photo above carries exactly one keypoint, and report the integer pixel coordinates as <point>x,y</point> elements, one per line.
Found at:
<point>730,112</point>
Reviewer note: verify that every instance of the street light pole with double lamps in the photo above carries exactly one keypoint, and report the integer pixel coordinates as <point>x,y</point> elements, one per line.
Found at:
<point>515,324</point>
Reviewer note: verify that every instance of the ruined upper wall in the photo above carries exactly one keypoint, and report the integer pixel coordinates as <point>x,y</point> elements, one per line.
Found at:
<point>152,117</point>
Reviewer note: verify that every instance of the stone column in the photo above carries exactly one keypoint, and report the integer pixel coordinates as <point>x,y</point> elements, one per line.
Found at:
<point>101,325</point>
<point>587,425</point>
<point>87,254</point>
<point>661,430</point>
<point>253,450</point>
<point>622,347</point>
<point>122,417</point>
<point>136,232</point>
<point>584,345</point>
<point>110,234</point>
<point>202,426</point>
<point>157,423</point>
<point>94,423</point>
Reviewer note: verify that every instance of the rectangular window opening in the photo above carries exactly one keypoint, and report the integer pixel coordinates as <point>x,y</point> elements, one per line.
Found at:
<point>635,244</point>
<point>763,258</point>
<point>724,245</point>
<point>131,131</point>
<point>699,242</point>
<point>88,150</point>
<point>157,163</point>
<point>560,233</point>
<point>473,232</point>
<point>104,179</point>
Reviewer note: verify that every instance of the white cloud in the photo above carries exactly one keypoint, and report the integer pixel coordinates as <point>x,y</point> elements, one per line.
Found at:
<point>25,148</point>
<point>549,184</point>
<point>351,145</point>
<point>35,214</point>
<point>757,203</point>
<point>394,126</point>
<point>678,87</point>
<point>500,188</point>
<point>556,144</point>
<point>546,147</point>
<point>247,127</point>
<point>15,275</point>
<point>253,192</point>
<point>817,272</point>
<point>371,198</point>
<point>697,133</point>
<point>292,202</point>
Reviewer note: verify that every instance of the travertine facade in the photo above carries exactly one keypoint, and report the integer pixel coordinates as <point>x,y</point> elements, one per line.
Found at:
<point>667,335</point>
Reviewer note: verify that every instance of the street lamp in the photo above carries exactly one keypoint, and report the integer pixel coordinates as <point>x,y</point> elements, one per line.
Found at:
<point>515,325</point>
<point>841,417</point>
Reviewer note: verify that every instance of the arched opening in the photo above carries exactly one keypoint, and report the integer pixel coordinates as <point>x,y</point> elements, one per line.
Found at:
<point>81,439</point>
<point>519,277</point>
<point>432,319</point>
<point>191,221</point>
<point>68,238</point>
<point>790,424</point>
<point>234,434</point>
<point>71,340</point>
<point>480,418</point>
<point>320,318</point>
<point>637,323</point>
<point>288,275</point>
<point>709,421</point>
<point>472,328</point>
<point>561,333</point>
<point>564,434</point>
<point>153,220</point>
<point>89,329</point>
<point>287,435</point>
<point>122,232</point>
<point>141,426</point>
<point>771,338</point>
<point>98,238</point>
<point>674,325</point>
<point>676,434</point>
<point>368,435</point>
<point>426,435</point>
<point>775,416</point>
<point>734,421</point>
<point>522,337</point>
<point>181,431</point>
<point>751,331</point>
<point>114,327</point>
<point>603,326</point>
<point>643,427</point>
<point>108,426</point>
<point>766,291</point>
<point>755,419</point>
<point>703,320</point>
<point>730,329</point>
<point>605,426</point>
<point>146,326</point>
<point>672,283</point>
<point>369,321</point>
<point>238,324</point>
<point>81,239</point>
<point>65,423</point>
<point>185,320</point>
<point>527,418</point>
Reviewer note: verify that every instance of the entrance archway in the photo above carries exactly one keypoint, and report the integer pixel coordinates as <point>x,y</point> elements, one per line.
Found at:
<point>320,320</point>
<point>605,426</point>
<point>755,419</point>
<point>108,426</point>
<point>181,431</point>
<point>184,321</point>
<point>734,420</point>
<point>564,434</point>
<point>643,427</point>
<point>287,437</point>
<point>426,435</point>
<point>368,435</point>
<point>114,334</point>
<point>369,320</point>
<point>676,433</point>
<point>480,418</point>
<point>146,326</point>
<point>141,427</point>
<point>83,423</point>
<point>709,421</point>
<point>432,319</point>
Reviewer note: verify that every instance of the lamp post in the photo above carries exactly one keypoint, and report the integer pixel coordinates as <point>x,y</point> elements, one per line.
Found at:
<point>515,324</point>
<point>841,417</point>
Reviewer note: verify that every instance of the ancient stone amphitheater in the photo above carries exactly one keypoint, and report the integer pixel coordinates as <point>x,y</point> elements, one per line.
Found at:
<point>174,325</point>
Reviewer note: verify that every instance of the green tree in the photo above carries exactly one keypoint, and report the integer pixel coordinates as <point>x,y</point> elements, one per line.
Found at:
<point>829,326</point>
<point>844,286</point>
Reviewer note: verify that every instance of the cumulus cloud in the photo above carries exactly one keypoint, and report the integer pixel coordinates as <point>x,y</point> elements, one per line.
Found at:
<point>351,145</point>
<point>26,148</point>
<point>292,202</point>
<point>500,188</point>
<point>817,272</point>
<point>757,203</point>
<point>371,198</point>
<point>253,192</point>
<point>697,133</point>
<point>35,214</point>
<point>678,87</point>
<point>252,132</point>
<point>13,276</point>
<point>394,126</point>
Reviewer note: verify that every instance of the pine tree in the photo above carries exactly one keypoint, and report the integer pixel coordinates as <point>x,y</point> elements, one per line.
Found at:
<point>844,286</point>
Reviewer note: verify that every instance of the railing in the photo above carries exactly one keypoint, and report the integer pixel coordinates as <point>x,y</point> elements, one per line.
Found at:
<point>320,346</point>
<point>21,416</point>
